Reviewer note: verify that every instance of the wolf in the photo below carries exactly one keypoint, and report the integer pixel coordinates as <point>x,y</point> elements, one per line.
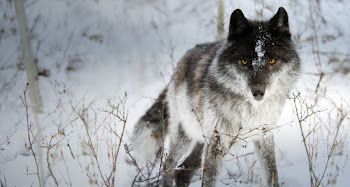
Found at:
<point>221,95</point>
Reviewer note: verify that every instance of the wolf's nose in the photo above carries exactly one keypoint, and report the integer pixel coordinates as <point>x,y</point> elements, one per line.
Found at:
<point>258,92</point>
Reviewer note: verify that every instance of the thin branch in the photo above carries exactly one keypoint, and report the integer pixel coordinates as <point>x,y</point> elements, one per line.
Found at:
<point>91,146</point>
<point>29,136</point>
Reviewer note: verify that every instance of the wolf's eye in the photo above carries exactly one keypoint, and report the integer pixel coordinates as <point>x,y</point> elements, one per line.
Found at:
<point>272,61</point>
<point>243,61</point>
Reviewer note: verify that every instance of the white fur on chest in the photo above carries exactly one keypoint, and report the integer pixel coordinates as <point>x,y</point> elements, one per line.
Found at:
<point>265,112</point>
<point>243,119</point>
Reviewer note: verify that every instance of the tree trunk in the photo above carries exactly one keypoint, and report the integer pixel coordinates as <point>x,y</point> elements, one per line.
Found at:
<point>32,71</point>
<point>32,75</point>
<point>220,20</point>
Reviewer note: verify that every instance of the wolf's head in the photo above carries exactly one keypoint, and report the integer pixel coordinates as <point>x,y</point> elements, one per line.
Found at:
<point>258,59</point>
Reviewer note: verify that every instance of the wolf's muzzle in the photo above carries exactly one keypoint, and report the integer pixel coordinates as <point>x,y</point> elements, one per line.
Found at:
<point>258,91</point>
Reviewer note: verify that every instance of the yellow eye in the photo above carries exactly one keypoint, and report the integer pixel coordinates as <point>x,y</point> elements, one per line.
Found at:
<point>244,61</point>
<point>272,61</point>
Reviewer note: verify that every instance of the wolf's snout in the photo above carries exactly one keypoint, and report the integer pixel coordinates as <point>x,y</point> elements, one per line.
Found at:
<point>258,92</point>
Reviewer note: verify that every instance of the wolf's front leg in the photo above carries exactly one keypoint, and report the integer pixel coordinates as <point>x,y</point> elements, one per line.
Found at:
<point>213,160</point>
<point>265,149</point>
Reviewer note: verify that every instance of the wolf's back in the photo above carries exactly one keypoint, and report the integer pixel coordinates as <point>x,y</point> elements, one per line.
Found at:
<point>148,134</point>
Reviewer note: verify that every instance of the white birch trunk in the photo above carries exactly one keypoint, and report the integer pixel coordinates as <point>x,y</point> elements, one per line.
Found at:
<point>32,71</point>
<point>32,75</point>
<point>220,20</point>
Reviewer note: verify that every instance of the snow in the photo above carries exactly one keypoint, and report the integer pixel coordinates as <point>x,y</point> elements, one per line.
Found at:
<point>259,50</point>
<point>99,50</point>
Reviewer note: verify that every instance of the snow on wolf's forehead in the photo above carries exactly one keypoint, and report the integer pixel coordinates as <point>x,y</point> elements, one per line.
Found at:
<point>261,40</point>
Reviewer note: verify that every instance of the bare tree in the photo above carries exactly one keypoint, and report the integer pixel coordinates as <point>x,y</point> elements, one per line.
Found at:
<point>326,172</point>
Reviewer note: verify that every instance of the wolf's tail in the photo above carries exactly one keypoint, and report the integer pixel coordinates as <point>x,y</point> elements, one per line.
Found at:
<point>149,132</point>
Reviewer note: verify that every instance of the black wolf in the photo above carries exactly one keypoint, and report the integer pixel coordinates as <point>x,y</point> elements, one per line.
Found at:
<point>222,93</point>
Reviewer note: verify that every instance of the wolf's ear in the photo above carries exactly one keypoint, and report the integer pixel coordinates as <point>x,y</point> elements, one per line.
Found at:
<point>238,24</point>
<point>279,23</point>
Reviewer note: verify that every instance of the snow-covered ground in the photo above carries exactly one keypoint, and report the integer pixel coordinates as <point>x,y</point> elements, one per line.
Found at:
<point>96,51</point>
